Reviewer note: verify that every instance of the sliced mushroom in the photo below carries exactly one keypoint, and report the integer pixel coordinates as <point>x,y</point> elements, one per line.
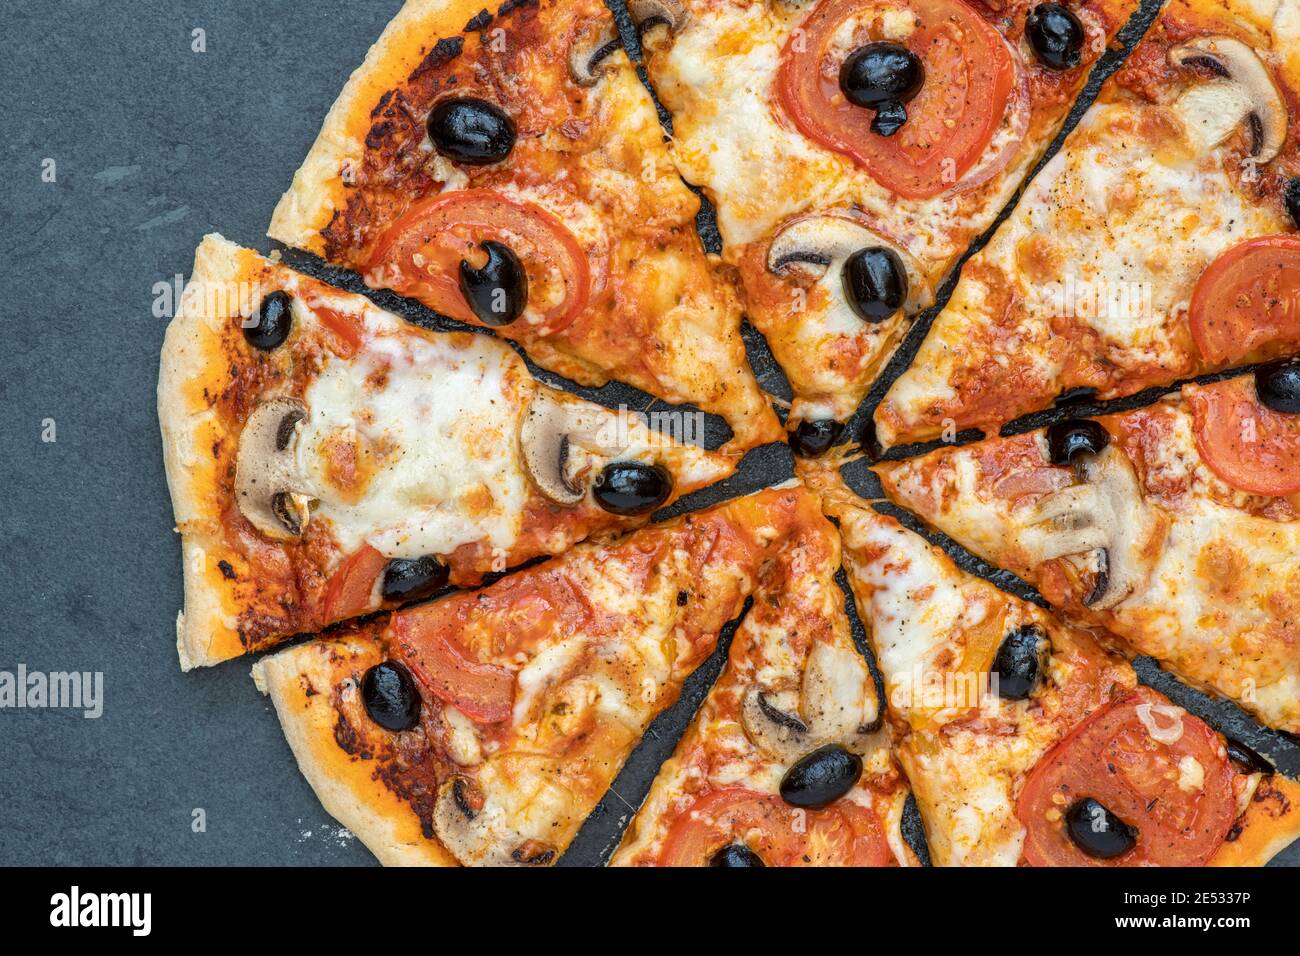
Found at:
<point>556,438</point>
<point>1241,89</point>
<point>1103,523</point>
<point>267,484</point>
<point>648,14</point>
<point>588,55</point>
<point>478,834</point>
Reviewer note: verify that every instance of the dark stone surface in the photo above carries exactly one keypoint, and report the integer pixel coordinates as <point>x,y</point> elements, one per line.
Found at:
<point>156,144</point>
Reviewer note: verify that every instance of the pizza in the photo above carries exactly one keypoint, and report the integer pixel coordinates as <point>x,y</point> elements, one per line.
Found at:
<point>327,458</point>
<point>1159,243</point>
<point>788,762</point>
<point>508,170</point>
<point>1166,525</point>
<point>855,148</point>
<point>1027,742</point>
<point>482,728</point>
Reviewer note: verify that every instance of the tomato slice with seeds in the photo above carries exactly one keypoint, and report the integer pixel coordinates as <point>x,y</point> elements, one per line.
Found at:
<point>1247,299</point>
<point>1178,795</point>
<point>350,590</point>
<point>483,692</point>
<point>969,75</point>
<point>843,834</point>
<point>420,256</point>
<point>1244,442</point>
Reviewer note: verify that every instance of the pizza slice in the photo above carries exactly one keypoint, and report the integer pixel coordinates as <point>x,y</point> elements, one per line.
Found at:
<point>326,458</point>
<point>1026,741</point>
<point>787,762</point>
<point>508,170</point>
<point>1175,527</point>
<point>1157,245</point>
<point>855,148</point>
<point>482,728</point>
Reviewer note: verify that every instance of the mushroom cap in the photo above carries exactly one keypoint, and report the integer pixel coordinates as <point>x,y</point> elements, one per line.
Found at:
<point>1242,89</point>
<point>267,484</point>
<point>559,439</point>
<point>593,44</point>
<point>647,14</point>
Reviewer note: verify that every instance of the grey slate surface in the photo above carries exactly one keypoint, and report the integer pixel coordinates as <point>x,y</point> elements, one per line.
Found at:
<point>154,145</point>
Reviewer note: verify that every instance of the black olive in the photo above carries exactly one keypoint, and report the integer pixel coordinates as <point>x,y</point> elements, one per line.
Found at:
<point>1291,199</point>
<point>1075,436</point>
<point>390,696</point>
<point>1019,661</point>
<point>406,579</point>
<point>1248,759</point>
<point>1278,385</point>
<point>632,487</point>
<point>498,290</point>
<point>811,439</point>
<point>271,323</point>
<point>821,777</point>
<point>875,283</point>
<point>1056,36</point>
<point>882,76</point>
<point>1098,832</point>
<point>471,131</point>
<point>736,854</point>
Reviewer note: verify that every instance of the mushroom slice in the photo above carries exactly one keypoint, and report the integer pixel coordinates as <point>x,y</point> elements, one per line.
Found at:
<point>837,702</point>
<point>1103,522</point>
<point>556,438</point>
<point>594,43</point>
<point>1241,89</point>
<point>478,833</point>
<point>772,727</point>
<point>267,484</point>
<point>816,247</point>
<point>648,14</point>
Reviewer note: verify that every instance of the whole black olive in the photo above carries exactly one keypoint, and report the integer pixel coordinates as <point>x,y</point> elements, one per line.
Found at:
<point>390,696</point>
<point>471,131</point>
<point>1019,661</point>
<point>1056,36</point>
<point>875,283</point>
<point>1278,386</point>
<point>632,487</point>
<point>1075,436</point>
<point>736,854</point>
<point>814,438</point>
<point>882,76</point>
<point>497,291</point>
<point>1291,199</point>
<point>271,323</point>
<point>1098,832</point>
<point>406,579</point>
<point>1247,759</point>
<point>821,777</point>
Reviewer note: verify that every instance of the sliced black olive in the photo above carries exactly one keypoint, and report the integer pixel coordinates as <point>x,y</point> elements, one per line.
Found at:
<point>812,439</point>
<point>1098,832</point>
<point>271,323</point>
<point>497,291</point>
<point>821,777</point>
<point>1278,386</point>
<point>1019,661</point>
<point>471,131</point>
<point>736,854</point>
<point>1075,436</point>
<point>1248,759</point>
<point>632,487</point>
<point>406,579</point>
<point>390,696</point>
<point>882,76</point>
<point>1056,36</point>
<point>875,283</point>
<point>1291,199</point>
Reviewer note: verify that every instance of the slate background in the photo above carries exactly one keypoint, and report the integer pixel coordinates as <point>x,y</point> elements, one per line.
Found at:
<point>155,145</point>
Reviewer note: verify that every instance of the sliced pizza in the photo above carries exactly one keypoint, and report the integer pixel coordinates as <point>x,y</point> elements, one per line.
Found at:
<point>855,148</point>
<point>1175,527</point>
<point>508,170</point>
<point>1026,741</point>
<point>1158,244</point>
<point>482,728</point>
<point>327,458</point>
<point>787,762</point>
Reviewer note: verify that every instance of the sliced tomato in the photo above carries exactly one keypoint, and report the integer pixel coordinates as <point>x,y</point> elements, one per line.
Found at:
<point>347,330</point>
<point>351,587</point>
<point>843,834</point>
<point>483,692</point>
<point>1246,443</point>
<point>1247,299</point>
<point>969,75</point>
<point>1178,795</point>
<point>420,255</point>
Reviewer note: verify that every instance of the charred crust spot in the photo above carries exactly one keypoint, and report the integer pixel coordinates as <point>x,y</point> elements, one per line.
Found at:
<point>349,739</point>
<point>383,102</point>
<point>226,570</point>
<point>443,52</point>
<point>1233,833</point>
<point>682,598</point>
<point>533,853</point>
<point>512,5</point>
<point>481,20</point>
